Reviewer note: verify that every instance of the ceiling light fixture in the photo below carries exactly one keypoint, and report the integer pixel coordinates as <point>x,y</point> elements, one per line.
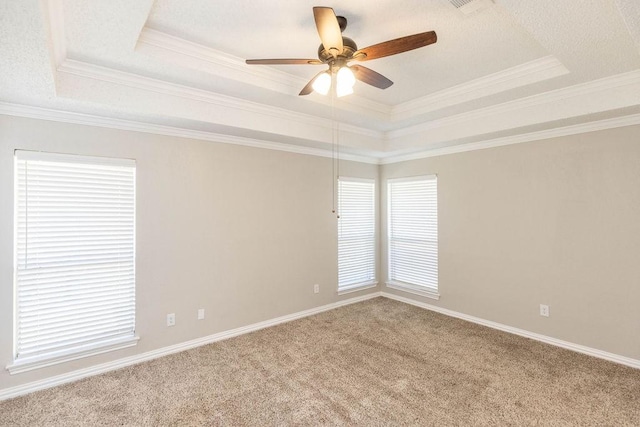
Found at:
<point>344,81</point>
<point>322,83</point>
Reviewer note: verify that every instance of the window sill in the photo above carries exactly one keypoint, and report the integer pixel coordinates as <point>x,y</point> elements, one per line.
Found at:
<point>357,287</point>
<point>37,362</point>
<point>413,289</point>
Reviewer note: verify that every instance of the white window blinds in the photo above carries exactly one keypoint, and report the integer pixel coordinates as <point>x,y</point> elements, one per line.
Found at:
<point>356,233</point>
<point>413,233</point>
<point>74,254</point>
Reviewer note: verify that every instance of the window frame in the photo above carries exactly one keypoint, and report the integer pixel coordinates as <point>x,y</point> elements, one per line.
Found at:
<point>81,350</point>
<point>370,283</point>
<point>404,286</point>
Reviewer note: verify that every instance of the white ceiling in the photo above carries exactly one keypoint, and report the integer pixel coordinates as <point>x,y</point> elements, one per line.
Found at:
<point>512,71</point>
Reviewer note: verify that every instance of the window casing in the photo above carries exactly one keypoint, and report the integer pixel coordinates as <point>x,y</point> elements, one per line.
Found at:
<point>413,235</point>
<point>74,257</point>
<point>356,234</point>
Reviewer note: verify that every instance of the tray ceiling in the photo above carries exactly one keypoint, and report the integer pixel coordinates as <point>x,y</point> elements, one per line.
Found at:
<point>505,69</point>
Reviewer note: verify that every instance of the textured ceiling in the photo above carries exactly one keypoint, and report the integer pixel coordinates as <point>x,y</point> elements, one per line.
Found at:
<point>468,47</point>
<point>506,69</point>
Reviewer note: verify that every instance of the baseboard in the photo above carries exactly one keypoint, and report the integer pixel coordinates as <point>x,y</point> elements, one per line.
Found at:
<point>154,354</point>
<point>612,357</point>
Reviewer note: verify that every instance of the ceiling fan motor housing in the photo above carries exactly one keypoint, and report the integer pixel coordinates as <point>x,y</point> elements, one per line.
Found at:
<point>350,48</point>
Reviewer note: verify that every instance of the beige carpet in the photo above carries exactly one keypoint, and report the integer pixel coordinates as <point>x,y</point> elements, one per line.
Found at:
<point>379,362</point>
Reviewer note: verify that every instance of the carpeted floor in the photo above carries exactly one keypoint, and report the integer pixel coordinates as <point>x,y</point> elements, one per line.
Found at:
<point>378,362</point>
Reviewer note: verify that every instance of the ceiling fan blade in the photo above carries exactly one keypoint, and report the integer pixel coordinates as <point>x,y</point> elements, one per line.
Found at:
<point>394,46</point>
<point>370,77</point>
<point>283,61</point>
<point>309,87</point>
<point>328,29</point>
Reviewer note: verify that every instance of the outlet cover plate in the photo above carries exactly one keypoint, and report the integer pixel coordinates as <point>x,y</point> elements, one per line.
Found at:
<point>171,319</point>
<point>544,310</point>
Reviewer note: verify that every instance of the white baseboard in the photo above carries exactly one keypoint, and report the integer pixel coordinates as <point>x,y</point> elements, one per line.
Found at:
<point>57,380</point>
<point>634,363</point>
<point>20,390</point>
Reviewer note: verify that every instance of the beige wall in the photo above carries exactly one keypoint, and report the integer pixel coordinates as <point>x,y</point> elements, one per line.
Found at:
<point>245,233</point>
<point>554,222</point>
<point>241,232</point>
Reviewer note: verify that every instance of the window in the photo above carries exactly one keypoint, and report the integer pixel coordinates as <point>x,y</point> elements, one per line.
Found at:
<point>74,257</point>
<point>413,235</point>
<point>356,234</point>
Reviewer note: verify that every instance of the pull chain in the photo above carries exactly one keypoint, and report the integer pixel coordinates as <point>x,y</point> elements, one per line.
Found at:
<point>333,165</point>
<point>333,150</point>
<point>335,153</point>
<point>337,174</point>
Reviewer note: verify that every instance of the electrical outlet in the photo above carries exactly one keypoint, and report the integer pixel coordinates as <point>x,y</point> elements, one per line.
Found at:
<point>544,310</point>
<point>316,288</point>
<point>200,313</point>
<point>171,319</point>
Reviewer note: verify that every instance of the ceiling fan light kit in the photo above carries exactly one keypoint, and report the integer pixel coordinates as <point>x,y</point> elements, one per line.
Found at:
<point>337,51</point>
<point>344,81</point>
<point>322,83</point>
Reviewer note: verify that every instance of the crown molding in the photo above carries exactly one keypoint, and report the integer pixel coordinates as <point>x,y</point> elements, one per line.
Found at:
<point>594,126</point>
<point>583,90</point>
<point>54,18</point>
<point>448,128</point>
<point>190,54</point>
<point>27,111</point>
<point>19,110</point>
<point>215,61</point>
<point>122,78</point>
<point>53,11</point>
<point>535,71</point>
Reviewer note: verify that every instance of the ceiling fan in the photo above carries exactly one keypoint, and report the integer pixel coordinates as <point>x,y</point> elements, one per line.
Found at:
<point>337,51</point>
